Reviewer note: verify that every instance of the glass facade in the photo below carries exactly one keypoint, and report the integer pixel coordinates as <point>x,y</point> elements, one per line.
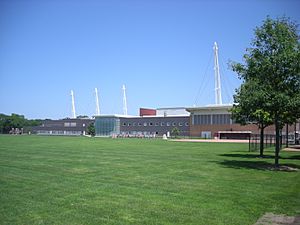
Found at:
<point>122,125</point>
<point>107,126</point>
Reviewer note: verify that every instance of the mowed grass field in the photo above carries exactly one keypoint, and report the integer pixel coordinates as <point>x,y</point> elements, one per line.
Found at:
<point>78,180</point>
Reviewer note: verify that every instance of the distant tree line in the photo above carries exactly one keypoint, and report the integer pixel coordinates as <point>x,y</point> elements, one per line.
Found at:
<point>16,121</point>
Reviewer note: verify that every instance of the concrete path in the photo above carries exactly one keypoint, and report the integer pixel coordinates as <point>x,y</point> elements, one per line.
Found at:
<point>211,140</point>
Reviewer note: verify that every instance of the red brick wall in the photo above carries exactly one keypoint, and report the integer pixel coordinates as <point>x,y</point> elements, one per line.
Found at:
<point>195,130</point>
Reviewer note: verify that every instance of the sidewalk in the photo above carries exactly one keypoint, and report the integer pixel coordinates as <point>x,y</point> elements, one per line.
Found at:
<point>211,140</point>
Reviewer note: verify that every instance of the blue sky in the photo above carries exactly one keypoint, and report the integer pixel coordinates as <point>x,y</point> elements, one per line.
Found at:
<point>160,49</point>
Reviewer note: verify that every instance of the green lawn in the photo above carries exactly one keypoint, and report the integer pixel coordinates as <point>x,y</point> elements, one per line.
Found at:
<point>77,180</point>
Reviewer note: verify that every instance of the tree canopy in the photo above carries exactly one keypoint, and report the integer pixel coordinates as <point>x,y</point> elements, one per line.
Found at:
<point>15,121</point>
<point>91,129</point>
<point>271,76</point>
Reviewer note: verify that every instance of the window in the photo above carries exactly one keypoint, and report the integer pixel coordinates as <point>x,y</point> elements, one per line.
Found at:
<point>139,124</point>
<point>129,124</point>
<point>202,119</point>
<point>156,124</point>
<point>145,124</point>
<point>221,119</point>
<point>168,124</point>
<point>68,124</point>
<point>162,124</point>
<point>180,124</point>
<point>124,124</point>
<point>173,124</point>
<point>133,124</point>
<point>187,124</point>
<point>150,124</point>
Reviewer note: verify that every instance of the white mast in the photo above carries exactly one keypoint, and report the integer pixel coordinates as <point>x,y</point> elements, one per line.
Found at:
<point>97,102</point>
<point>218,97</point>
<point>73,105</point>
<point>124,101</point>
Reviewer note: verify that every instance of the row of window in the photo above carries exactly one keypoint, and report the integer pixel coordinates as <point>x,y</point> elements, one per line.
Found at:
<point>212,119</point>
<point>66,124</point>
<point>59,132</point>
<point>168,124</point>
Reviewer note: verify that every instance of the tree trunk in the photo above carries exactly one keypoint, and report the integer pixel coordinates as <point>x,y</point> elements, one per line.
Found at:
<point>261,144</point>
<point>295,132</point>
<point>277,145</point>
<point>287,136</point>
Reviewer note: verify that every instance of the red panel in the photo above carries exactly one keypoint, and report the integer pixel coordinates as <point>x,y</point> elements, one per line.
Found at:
<point>147,112</point>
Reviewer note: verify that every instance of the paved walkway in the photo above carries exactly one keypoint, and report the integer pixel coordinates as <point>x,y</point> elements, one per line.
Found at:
<point>211,140</point>
<point>295,148</point>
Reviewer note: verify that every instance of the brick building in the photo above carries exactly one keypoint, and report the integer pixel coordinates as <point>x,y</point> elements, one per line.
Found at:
<point>215,122</point>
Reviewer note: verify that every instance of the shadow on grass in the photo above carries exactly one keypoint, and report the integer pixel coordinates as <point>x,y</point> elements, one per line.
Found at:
<point>247,156</point>
<point>237,164</point>
<point>253,156</point>
<point>296,157</point>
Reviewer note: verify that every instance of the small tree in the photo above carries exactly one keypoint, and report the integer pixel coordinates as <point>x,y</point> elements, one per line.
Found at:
<point>91,129</point>
<point>175,132</point>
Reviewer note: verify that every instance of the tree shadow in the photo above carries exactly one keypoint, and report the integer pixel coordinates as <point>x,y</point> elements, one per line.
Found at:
<point>237,164</point>
<point>253,156</point>
<point>248,156</point>
<point>296,157</point>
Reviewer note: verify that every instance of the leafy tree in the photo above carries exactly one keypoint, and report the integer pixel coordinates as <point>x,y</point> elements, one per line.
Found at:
<point>91,129</point>
<point>273,63</point>
<point>16,121</point>
<point>5,124</point>
<point>249,101</point>
<point>82,117</point>
<point>175,132</point>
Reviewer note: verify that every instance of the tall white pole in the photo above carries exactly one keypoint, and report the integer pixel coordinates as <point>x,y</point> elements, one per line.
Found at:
<point>73,105</point>
<point>124,101</point>
<point>218,95</point>
<point>97,102</point>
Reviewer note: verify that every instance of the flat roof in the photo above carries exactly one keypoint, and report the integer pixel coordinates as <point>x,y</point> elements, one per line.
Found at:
<point>150,116</point>
<point>209,107</point>
<point>114,115</point>
<point>170,108</point>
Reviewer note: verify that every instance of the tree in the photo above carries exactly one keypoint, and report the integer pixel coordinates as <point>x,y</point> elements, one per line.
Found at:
<point>91,129</point>
<point>249,101</point>
<point>82,117</point>
<point>5,124</point>
<point>175,132</point>
<point>273,63</point>
<point>16,121</point>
